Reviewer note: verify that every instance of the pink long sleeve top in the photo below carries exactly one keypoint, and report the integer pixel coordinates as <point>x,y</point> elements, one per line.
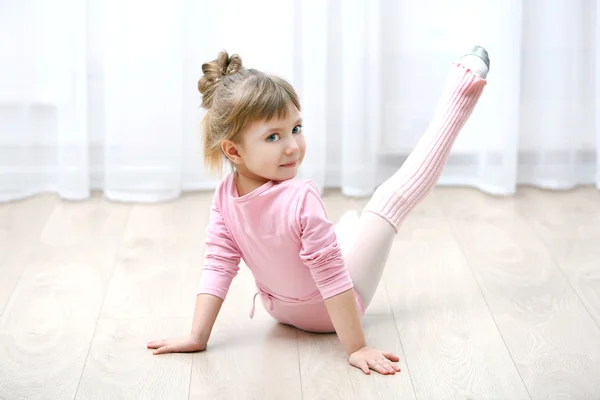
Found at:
<point>282,233</point>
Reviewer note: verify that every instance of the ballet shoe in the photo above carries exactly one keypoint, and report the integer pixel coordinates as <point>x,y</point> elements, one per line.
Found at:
<point>481,53</point>
<point>475,64</point>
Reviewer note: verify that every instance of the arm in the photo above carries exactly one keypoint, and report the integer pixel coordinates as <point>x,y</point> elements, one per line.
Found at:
<point>221,266</point>
<point>323,256</point>
<point>346,321</point>
<point>205,315</point>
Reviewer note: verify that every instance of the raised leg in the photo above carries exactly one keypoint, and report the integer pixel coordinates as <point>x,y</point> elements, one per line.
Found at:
<point>367,254</point>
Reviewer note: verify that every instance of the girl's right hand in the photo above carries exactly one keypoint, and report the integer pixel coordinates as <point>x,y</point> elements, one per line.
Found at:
<point>184,344</point>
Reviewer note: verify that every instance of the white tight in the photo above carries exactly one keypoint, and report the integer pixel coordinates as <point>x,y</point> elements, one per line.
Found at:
<point>366,240</point>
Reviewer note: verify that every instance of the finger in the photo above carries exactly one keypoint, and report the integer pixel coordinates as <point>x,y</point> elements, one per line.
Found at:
<point>156,344</point>
<point>365,368</point>
<point>391,357</point>
<point>388,366</point>
<point>382,369</point>
<point>378,367</point>
<point>165,349</point>
<point>386,363</point>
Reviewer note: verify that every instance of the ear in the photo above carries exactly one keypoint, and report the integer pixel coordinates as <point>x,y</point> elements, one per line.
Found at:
<point>230,150</point>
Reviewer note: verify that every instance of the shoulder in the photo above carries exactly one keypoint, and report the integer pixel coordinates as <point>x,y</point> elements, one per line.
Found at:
<point>305,200</point>
<point>300,191</point>
<point>299,186</point>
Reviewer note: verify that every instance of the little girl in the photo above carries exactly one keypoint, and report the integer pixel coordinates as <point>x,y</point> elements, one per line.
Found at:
<point>278,225</point>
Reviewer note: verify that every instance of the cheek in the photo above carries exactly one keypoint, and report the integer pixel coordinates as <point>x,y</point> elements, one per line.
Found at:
<point>264,154</point>
<point>302,143</point>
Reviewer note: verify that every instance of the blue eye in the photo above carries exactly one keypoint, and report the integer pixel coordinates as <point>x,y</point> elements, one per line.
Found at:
<point>272,137</point>
<point>297,129</point>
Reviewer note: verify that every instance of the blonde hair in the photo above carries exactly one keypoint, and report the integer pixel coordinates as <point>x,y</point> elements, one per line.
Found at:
<point>235,96</point>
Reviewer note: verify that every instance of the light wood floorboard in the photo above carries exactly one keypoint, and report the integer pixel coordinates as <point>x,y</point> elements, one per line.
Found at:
<point>569,224</point>
<point>50,318</point>
<point>482,298</point>
<point>20,228</point>
<point>548,331</point>
<point>453,347</point>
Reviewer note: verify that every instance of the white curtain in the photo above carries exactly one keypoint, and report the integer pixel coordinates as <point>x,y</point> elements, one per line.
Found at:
<point>101,94</point>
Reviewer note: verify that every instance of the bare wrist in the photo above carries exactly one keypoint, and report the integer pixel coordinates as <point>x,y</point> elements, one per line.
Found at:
<point>199,335</point>
<point>353,349</point>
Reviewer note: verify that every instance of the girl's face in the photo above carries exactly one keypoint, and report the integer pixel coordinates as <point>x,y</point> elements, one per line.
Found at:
<point>270,150</point>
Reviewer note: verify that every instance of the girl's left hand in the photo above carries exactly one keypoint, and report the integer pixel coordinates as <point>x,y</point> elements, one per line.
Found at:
<point>367,359</point>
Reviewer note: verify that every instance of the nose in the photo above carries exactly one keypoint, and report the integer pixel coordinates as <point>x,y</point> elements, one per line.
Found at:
<point>292,148</point>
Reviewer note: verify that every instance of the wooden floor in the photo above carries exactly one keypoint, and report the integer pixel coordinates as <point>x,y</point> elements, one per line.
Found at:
<point>483,298</point>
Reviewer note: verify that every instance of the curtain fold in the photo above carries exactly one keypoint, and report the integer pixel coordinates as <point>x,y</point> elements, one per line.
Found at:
<point>102,95</point>
<point>595,78</point>
<point>143,99</point>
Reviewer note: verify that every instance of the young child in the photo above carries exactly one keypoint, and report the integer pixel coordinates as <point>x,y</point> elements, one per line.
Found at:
<point>278,225</point>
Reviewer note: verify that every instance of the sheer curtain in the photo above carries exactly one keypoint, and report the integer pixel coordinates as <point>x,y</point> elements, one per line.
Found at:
<point>101,94</point>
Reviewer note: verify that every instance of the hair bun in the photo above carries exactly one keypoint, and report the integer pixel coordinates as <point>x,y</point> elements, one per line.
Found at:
<point>214,71</point>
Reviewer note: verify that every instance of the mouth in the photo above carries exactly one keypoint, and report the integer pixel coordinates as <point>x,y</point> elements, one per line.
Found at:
<point>289,165</point>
